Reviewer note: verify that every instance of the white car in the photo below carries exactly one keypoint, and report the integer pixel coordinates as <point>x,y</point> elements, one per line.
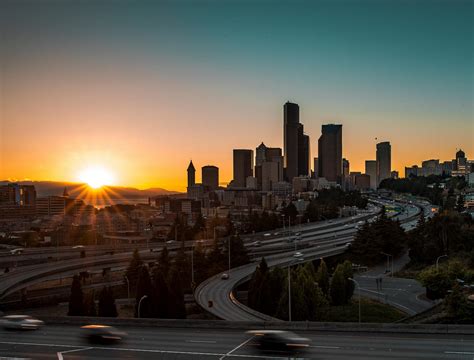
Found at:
<point>298,254</point>
<point>225,276</point>
<point>21,322</point>
<point>17,251</point>
<point>78,247</point>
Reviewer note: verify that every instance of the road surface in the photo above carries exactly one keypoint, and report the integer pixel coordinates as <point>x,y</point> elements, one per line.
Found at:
<point>64,342</point>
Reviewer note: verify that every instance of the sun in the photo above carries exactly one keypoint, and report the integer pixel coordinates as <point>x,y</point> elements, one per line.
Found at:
<point>96,176</point>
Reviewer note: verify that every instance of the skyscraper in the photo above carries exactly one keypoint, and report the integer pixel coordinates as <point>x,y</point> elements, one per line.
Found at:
<point>303,153</point>
<point>330,153</point>
<point>191,174</point>
<point>291,129</point>
<point>384,161</point>
<point>210,177</point>
<point>316,167</point>
<point>243,166</point>
<point>371,170</point>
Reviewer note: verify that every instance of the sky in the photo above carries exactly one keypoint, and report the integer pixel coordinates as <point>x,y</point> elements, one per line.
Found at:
<point>141,88</point>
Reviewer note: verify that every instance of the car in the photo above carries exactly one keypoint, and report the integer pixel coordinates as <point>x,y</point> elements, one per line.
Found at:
<point>257,244</point>
<point>298,254</point>
<point>78,247</point>
<point>278,340</point>
<point>102,334</point>
<point>330,221</point>
<point>267,234</point>
<point>170,241</point>
<point>225,276</point>
<point>16,251</point>
<point>21,322</point>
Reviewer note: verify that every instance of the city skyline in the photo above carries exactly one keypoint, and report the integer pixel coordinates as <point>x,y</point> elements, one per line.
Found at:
<point>142,106</point>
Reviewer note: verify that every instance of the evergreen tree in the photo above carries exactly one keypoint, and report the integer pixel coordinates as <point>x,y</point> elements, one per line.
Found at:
<point>238,252</point>
<point>76,299</point>
<point>133,269</point>
<point>337,289</point>
<point>161,295</point>
<point>144,287</point>
<point>349,285</point>
<point>107,306</point>
<point>164,261</point>
<point>177,308</point>
<point>322,278</point>
<point>255,285</point>
<point>89,305</point>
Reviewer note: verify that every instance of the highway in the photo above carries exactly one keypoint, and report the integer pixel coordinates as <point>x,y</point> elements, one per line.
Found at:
<point>226,306</point>
<point>64,342</point>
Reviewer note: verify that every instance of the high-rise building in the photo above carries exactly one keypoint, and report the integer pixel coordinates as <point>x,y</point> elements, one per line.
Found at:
<point>330,153</point>
<point>210,177</point>
<point>316,167</point>
<point>371,170</point>
<point>243,166</point>
<point>384,161</point>
<point>191,174</point>
<point>291,130</point>
<point>303,153</point>
<point>346,180</point>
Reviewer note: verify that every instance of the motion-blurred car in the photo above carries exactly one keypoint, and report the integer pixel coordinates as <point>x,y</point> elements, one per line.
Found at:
<point>225,276</point>
<point>102,334</point>
<point>278,340</point>
<point>21,322</point>
<point>17,251</point>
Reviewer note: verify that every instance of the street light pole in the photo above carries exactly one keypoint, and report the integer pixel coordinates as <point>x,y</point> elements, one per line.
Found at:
<point>289,294</point>
<point>358,291</point>
<point>140,304</point>
<point>192,265</point>
<point>128,287</point>
<point>229,251</point>
<point>388,262</point>
<point>437,260</point>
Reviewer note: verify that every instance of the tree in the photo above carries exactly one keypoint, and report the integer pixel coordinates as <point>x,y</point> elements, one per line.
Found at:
<point>160,296</point>
<point>164,261</point>
<point>238,252</point>
<point>107,306</point>
<point>133,269</point>
<point>177,308</point>
<point>457,306</point>
<point>76,299</point>
<point>322,278</point>
<point>338,289</point>
<point>349,285</point>
<point>144,287</point>
<point>255,285</point>
<point>89,305</point>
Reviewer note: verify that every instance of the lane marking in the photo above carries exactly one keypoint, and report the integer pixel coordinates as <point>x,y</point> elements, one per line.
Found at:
<point>147,350</point>
<point>60,354</point>
<point>324,347</point>
<point>236,348</point>
<point>202,341</point>
<point>459,352</point>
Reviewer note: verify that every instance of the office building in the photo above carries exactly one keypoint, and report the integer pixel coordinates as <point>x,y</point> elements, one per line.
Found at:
<point>330,153</point>
<point>303,153</point>
<point>362,182</point>
<point>291,118</point>
<point>210,177</point>
<point>315,168</point>
<point>371,170</point>
<point>384,161</point>
<point>191,174</point>
<point>243,166</point>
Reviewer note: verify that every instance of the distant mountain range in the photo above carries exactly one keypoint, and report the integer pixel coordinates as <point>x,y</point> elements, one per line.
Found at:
<point>76,190</point>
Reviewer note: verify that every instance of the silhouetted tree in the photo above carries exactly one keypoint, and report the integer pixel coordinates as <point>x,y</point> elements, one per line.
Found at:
<point>133,269</point>
<point>76,299</point>
<point>107,306</point>
<point>144,287</point>
<point>338,289</point>
<point>322,278</point>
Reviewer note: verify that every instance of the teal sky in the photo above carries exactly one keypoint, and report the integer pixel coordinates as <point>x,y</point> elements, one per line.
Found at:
<point>208,72</point>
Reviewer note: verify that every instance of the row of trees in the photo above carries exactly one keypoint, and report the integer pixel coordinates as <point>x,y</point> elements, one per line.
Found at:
<point>445,233</point>
<point>381,236</point>
<point>427,187</point>
<point>82,305</point>
<point>328,202</point>
<point>311,291</point>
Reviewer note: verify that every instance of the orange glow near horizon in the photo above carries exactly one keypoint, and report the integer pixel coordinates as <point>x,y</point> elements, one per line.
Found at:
<point>96,176</point>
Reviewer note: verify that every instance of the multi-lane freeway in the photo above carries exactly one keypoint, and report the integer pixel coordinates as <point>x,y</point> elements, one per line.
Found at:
<point>64,342</point>
<point>226,306</point>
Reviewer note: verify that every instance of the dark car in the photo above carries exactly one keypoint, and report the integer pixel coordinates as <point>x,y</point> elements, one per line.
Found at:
<point>102,334</point>
<point>278,340</point>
